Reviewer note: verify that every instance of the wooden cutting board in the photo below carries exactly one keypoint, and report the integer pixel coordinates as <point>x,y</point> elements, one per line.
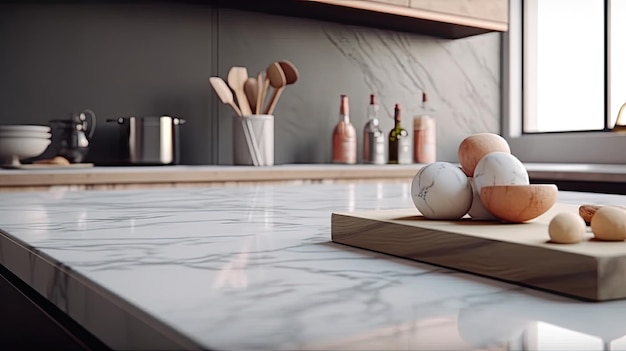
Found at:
<point>519,253</point>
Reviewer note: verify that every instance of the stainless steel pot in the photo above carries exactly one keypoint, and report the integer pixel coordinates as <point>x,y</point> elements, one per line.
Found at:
<point>150,140</point>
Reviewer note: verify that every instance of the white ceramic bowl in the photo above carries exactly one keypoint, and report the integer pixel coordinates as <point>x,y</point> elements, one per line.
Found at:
<point>25,128</point>
<point>24,134</point>
<point>12,150</point>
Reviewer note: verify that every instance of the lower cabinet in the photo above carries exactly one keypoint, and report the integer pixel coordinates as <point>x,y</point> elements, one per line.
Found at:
<point>27,323</point>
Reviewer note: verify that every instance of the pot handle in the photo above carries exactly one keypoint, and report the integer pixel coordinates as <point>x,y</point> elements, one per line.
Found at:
<point>117,120</point>
<point>90,120</point>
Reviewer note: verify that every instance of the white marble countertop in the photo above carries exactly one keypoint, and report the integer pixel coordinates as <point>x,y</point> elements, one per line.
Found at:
<point>254,268</point>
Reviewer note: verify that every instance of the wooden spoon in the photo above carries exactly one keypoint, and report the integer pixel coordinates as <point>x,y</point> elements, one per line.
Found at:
<point>251,89</point>
<point>277,80</point>
<point>224,93</point>
<point>291,76</point>
<point>291,72</point>
<point>266,85</point>
<point>237,77</point>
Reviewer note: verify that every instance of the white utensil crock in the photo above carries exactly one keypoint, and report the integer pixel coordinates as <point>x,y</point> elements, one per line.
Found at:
<point>259,141</point>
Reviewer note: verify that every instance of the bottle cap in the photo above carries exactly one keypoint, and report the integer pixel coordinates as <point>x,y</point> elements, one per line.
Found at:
<point>372,99</point>
<point>344,109</point>
<point>396,113</point>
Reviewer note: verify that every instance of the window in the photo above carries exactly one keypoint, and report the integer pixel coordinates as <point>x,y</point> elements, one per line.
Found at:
<point>617,25</point>
<point>555,80</point>
<point>563,65</point>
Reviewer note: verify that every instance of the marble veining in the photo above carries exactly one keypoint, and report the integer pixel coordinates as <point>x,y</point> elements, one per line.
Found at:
<point>242,268</point>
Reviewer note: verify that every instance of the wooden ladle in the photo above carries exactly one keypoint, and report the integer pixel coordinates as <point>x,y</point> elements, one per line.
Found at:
<point>224,93</point>
<point>276,78</point>
<point>237,77</point>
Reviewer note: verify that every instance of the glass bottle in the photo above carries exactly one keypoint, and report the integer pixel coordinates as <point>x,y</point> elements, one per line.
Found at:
<point>373,136</point>
<point>424,135</point>
<point>399,141</point>
<point>344,136</point>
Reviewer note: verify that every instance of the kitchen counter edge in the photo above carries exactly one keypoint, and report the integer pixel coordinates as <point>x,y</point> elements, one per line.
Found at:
<point>223,175</point>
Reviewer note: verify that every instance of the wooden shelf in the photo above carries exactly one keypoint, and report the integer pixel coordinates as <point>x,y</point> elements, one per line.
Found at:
<point>193,176</point>
<point>447,21</point>
<point>576,177</point>
<point>446,16</point>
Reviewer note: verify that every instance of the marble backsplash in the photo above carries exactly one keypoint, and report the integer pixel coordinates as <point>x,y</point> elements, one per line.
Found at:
<point>461,78</point>
<point>129,59</point>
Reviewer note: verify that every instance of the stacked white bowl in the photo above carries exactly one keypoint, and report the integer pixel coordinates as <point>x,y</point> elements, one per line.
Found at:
<point>18,142</point>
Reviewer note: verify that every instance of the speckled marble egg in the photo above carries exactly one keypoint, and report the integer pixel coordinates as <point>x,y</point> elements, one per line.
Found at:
<point>478,211</point>
<point>440,190</point>
<point>499,168</point>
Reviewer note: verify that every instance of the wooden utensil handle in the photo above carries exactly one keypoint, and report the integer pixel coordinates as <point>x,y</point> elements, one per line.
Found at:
<point>242,100</point>
<point>235,108</point>
<point>260,93</point>
<point>274,100</point>
<point>250,88</point>
<point>266,87</point>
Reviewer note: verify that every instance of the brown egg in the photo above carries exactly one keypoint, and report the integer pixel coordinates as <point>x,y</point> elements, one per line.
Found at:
<point>609,223</point>
<point>475,146</point>
<point>518,203</point>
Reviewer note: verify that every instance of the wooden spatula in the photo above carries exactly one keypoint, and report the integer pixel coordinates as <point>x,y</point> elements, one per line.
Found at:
<point>223,92</point>
<point>226,96</point>
<point>237,77</point>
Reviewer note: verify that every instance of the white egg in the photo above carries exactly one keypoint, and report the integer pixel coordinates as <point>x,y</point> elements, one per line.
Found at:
<point>499,168</point>
<point>440,190</point>
<point>567,228</point>
<point>478,211</point>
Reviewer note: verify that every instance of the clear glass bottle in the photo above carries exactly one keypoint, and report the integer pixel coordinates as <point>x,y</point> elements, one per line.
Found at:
<point>424,135</point>
<point>344,136</point>
<point>399,141</point>
<point>373,136</point>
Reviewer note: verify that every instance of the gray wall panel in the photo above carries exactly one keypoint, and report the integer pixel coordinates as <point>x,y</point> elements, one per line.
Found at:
<point>118,60</point>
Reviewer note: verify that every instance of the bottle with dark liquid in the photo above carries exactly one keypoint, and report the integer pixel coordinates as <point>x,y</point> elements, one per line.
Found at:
<point>344,136</point>
<point>399,141</point>
<point>373,136</point>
